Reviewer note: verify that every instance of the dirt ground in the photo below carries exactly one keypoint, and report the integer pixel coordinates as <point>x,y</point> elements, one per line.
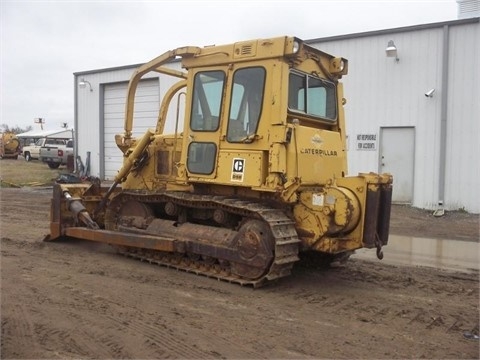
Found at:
<point>78,299</point>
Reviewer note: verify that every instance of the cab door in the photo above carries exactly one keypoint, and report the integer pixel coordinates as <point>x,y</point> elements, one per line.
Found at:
<point>243,157</point>
<point>205,125</point>
<point>221,141</point>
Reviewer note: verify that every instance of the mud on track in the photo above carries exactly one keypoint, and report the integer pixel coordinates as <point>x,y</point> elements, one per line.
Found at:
<point>77,299</point>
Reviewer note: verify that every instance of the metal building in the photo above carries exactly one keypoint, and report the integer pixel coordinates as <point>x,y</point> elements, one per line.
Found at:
<point>413,109</point>
<point>100,111</point>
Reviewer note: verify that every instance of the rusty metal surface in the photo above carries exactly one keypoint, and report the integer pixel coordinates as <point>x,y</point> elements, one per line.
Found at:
<point>263,247</point>
<point>372,208</point>
<point>383,227</point>
<point>377,216</point>
<point>55,214</point>
<point>127,239</point>
<point>219,252</point>
<point>162,162</point>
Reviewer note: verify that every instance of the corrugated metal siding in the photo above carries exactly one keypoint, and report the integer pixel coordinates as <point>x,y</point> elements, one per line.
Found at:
<point>463,121</point>
<point>147,100</point>
<point>383,93</point>
<point>90,111</point>
<point>380,93</point>
<point>89,107</point>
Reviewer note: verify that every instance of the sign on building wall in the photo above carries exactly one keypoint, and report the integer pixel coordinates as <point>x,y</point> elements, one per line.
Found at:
<point>366,141</point>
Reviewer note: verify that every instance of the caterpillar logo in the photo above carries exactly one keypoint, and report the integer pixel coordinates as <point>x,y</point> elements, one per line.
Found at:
<point>238,169</point>
<point>319,152</point>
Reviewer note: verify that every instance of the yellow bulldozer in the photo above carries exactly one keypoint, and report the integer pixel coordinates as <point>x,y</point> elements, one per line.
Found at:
<point>9,146</point>
<point>255,181</point>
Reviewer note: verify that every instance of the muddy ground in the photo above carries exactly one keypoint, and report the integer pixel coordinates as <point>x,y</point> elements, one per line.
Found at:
<point>81,300</point>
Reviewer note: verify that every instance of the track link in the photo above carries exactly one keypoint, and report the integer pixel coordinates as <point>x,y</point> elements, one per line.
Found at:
<point>286,242</point>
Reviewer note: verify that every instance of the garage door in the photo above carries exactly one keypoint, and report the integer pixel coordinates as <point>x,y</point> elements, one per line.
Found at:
<point>147,103</point>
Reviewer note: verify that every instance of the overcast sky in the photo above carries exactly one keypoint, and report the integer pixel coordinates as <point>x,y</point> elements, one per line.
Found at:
<point>44,42</point>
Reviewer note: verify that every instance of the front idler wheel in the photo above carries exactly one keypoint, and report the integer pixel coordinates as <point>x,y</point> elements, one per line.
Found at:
<point>254,244</point>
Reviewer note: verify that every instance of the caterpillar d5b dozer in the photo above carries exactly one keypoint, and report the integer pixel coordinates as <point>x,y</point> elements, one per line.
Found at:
<point>256,178</point>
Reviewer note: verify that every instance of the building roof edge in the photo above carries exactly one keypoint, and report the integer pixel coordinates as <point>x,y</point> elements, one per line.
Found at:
<point>395,30</point>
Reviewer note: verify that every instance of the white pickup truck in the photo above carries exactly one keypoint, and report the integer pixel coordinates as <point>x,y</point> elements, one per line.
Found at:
<point>32,151</point>
<point>56,155</point>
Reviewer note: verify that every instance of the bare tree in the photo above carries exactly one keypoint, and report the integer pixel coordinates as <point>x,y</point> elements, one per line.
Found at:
<point>16,129</point>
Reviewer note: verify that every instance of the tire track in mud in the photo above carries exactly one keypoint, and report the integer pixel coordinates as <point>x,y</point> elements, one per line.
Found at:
<point>66,341</point>
<point>98,330</point>
<point>84,301</point>
<point>159,336</point>
<point>17,322</point>
<point>200,306</point>
<point>107,329</point>
<point>50,329</point>
<point>59,330</point>
<point>95,334</point>
<point>99,342</point>
<point>425,308</point>
<point>18,327</point>
<point>213,338</point>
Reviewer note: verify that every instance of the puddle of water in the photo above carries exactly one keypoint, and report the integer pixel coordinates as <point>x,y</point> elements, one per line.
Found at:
<point>438,253</point>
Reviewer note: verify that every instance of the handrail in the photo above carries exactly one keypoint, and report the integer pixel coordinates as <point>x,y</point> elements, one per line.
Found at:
<point>153,65</point>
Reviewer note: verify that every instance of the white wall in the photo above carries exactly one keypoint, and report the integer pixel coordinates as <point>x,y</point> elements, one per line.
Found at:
<point>88,108</point>
<point>145,115</point>
<point>89,111</point>
<point>381,92</point>
<point>463,119</point>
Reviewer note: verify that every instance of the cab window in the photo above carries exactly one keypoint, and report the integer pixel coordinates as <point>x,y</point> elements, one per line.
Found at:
<point>207,100</point>
<point>201,157</point>
<point>312,96</point>
<point>246,104</point>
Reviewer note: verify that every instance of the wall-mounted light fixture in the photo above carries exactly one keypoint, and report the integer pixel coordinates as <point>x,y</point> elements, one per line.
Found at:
<point>83,83</point>
<point>429,93</point>
<point>391,51</point>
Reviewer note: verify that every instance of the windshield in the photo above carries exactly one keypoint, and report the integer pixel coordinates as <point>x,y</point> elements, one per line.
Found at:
<point>312,96</point>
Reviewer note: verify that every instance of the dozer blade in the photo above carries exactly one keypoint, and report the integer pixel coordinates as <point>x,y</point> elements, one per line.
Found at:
<point>67,211</point>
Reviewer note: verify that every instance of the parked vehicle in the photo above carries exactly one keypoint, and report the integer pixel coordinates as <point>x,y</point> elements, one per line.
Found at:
<point>56,155</point>
<point>32,151</point>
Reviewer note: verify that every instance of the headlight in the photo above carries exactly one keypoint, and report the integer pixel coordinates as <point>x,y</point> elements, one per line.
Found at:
<point>296,46</point>
<point>338,66</point>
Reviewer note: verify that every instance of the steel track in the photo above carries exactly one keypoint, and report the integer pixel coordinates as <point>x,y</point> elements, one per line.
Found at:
<point>286,242</point>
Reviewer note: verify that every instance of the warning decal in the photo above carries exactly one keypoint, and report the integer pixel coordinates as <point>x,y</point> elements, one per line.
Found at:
<point>366,141</point>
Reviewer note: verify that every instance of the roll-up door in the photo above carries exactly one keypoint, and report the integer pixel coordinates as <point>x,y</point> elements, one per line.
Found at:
<point>147,103</point>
